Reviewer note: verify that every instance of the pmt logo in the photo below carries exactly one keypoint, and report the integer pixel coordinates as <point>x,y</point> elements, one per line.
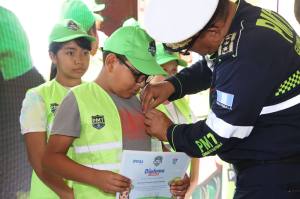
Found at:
<point>98,121</point>
<point>53,107</point>
<point>137,161</point>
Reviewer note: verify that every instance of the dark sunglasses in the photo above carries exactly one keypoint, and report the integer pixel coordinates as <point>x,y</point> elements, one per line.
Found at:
<point>139,77</point>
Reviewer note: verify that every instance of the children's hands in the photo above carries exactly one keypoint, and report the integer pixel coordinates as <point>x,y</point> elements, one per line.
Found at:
<point>179,187</point>
<point>111,182</point>
<point>69,194</point>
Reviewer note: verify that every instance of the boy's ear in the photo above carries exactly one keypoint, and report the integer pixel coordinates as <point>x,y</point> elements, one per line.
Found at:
<point>110,61</point>
<point>53,57</point>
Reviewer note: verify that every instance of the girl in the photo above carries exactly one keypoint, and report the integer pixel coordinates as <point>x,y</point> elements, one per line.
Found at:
<point>69,50</point>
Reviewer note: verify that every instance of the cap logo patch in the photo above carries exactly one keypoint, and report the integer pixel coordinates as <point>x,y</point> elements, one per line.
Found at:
<point>72,25</point>
<point>152,48</point>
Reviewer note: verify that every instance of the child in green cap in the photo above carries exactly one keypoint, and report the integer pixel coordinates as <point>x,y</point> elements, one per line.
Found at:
<point>102,118</point>
<point>69,50</point>
<point>79,11</point>
<point>179,110</point>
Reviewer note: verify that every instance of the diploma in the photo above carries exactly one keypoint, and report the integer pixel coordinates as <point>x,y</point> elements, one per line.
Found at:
<point>151,173</point>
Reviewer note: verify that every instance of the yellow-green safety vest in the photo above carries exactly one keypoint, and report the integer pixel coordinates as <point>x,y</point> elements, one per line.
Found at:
<point>52,93</point>
<point>100,143</point>
<point>183,106</point>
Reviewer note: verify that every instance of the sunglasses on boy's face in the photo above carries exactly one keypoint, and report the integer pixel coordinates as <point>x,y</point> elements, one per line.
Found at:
<point>139,77</point>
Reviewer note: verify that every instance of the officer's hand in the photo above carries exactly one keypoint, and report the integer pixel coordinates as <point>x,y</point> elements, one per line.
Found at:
<point>157,124</point>
<point>179,187</point>
<point>111,182</point>
<point>156,93</point>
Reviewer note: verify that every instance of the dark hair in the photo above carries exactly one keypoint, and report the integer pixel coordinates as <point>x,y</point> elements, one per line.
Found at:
<point>82,42</point>
<point>106,52</point>
<point>54,47</point>
<point>53,71</point>
<point>220,13</point>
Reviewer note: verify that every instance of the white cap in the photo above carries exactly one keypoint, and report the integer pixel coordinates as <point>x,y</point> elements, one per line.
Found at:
<point>172,21</point>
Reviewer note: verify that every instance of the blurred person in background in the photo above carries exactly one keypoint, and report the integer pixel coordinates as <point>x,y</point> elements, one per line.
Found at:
<point>17,76</point>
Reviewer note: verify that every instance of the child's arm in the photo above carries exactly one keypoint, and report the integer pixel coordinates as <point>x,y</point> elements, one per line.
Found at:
<point>55,159</point>
<point>33,123</point>
<point>36,145</point>
<point>194,176</point>
<point>179,187</point>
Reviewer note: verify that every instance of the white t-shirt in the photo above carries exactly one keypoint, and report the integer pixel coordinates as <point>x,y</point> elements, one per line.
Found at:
<point>33,114</point>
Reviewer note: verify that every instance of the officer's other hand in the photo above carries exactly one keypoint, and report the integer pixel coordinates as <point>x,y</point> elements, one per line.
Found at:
<point>157,123</point>
<point>111,182</point>
<point>155,93</point>
<point>179,187</point>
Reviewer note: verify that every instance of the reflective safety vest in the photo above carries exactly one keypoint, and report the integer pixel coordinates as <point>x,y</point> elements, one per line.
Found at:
<point>100,143</point>
<point>52,93</point>
<point>182,105</point>
<point>184,109</point>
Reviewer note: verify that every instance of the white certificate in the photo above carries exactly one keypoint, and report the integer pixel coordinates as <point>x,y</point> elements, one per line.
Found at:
<point>151,173</point>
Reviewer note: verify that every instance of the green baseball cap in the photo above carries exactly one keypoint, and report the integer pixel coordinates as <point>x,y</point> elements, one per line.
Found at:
<point>162,56</point>
<point>131,22</point>
<point>137,46</point>
<point>78,11</point>
<point>67,30</point>
<point>15,59</point>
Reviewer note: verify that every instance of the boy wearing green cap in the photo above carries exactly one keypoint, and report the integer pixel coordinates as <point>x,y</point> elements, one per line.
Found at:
<point>179,110</point>
<point>102,118</point>
<point>69,50</point>
<point>79,11</point>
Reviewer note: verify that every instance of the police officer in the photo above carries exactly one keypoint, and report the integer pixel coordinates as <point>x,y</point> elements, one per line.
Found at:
<point>252,68</point>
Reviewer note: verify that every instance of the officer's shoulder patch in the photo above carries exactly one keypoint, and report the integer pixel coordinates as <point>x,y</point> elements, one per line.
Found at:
<point>229,45</point>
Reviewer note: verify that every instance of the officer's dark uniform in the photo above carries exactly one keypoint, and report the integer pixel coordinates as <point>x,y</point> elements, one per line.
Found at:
<point>254,121</point>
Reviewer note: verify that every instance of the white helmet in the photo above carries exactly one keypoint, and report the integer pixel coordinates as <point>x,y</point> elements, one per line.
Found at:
<point>172,21</point>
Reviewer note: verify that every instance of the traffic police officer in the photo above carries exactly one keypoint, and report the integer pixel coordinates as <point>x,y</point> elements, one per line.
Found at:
<point>252,68</point>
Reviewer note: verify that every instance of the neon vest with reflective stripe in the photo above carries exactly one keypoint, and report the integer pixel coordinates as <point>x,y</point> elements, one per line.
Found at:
<point>183,106</point>
<point>100,143</point>
<point>52,94</point>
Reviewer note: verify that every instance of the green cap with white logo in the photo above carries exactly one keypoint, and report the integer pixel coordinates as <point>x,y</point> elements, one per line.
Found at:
<point>163,56</point>
<point>78,11</point>
<point>67,30</point>
<point>137,46</point>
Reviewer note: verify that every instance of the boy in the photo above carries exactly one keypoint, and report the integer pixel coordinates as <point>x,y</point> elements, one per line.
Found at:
<point>104,117</point>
